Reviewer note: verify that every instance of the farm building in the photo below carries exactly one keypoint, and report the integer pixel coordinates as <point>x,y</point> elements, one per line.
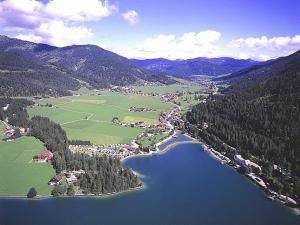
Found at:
<point>43,156</point>
<point>55,180</point>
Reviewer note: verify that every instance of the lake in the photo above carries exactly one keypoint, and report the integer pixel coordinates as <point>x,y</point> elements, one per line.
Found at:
<point>184,186</point>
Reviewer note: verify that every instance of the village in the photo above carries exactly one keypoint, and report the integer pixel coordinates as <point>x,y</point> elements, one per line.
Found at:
<point>129,90</point>
<point>10,132</point>
<point>122,151</point>
<point>166,119</point>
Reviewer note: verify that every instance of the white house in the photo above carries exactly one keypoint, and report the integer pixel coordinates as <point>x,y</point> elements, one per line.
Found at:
<point>240,160</point>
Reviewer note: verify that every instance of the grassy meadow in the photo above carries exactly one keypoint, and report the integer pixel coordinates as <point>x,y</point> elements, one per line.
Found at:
<point>88,117</point>
<point>18,174</point>
<point>168,89</point>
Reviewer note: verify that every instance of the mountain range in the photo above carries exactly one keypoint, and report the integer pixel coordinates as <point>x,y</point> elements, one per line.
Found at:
<point>196,66</point>
<point>96,66</point>
<point>280,68</point>
<point>28,68</point>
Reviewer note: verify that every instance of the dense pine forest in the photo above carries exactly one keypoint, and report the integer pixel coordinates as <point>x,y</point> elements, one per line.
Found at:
<point>102,174</point>
<point>21,76</point>
<point>261,122</point>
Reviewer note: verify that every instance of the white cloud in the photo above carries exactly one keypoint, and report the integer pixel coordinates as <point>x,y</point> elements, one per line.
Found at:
<point>132,17</point>
<point>78,10</point>
<point>189,45</point>
<point>263,42</point>
<point>262,57</point>
<point>257,57</point>
<point>30,37</point>
<point>58,22</point>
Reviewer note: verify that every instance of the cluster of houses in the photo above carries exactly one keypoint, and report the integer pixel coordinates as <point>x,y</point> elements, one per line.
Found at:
<point>163,97</point>
<point>10,133</point>
<point>139,124</point>
<point>115,150</point>
<point>121,89</point>
<point>166,119</point>
<point>70,177</point>
<point>46,156</point>
<point>238,161</point>
<point>168,97</point>
<point>211,87</point>
<point>58,179</point>
<point>140,109</point>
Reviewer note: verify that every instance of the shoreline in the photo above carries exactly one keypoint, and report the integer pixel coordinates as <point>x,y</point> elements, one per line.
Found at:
<point>206,148</point>
<point>211,151</point>
<point>107,195</point>
<point>158,152</point>
<point>167,148</point>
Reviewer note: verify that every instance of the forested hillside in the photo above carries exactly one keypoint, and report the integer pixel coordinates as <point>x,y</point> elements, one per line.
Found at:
<point>23,76</point>
<point>98,67</point>
<point>261,120</point>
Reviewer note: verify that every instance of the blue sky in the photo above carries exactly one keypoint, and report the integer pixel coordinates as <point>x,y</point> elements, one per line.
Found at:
<point>149,28</point>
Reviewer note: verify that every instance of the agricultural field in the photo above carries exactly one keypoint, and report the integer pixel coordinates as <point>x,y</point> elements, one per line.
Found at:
<point>151,141</point>
<point>18,174</point>
<point>88,116</point>
<point>168,89</point>
<point>186,101</point>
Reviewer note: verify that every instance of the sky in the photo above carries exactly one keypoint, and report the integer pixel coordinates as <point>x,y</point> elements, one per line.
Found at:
<point>256,29</point>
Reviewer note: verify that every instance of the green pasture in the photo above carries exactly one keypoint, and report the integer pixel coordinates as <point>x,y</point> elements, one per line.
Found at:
<point>88,117</point>
<point>168,89</point>
<point>18,174</point>
<point>100,133</point>
<point>151,141</point>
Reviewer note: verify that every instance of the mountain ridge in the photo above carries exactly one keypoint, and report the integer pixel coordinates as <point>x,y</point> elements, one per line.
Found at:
<point>90,63</point>
<point>196,66</point>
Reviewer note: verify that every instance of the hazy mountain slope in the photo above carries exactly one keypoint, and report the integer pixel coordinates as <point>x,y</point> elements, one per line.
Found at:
<point>197,66</point>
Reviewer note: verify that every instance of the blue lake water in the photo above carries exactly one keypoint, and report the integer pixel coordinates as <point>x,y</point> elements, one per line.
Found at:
<point>178,138</point>
<point>184,186</point>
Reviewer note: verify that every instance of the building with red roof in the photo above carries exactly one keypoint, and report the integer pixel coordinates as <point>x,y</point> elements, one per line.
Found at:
<point>57,179</point>
<point>43,156</point>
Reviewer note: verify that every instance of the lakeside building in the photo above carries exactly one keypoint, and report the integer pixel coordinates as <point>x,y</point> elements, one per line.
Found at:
<point>287,200</point>
<point>245,162</point>
<point>57,179</point>
<point>71,178</point>
<point>240,160</point>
